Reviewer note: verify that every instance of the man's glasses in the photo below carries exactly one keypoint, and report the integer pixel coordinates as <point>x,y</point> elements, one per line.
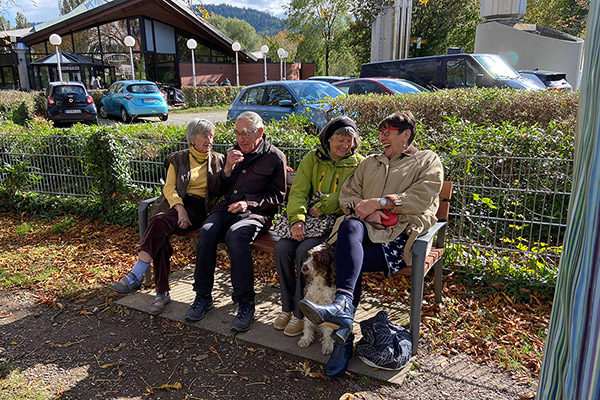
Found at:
<point>244,133</point>
<point>385,132</point>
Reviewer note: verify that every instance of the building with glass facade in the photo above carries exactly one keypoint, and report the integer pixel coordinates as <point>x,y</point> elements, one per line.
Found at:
<point>93,45</point>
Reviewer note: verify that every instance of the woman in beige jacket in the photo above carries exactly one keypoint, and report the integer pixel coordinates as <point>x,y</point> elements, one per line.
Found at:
<point>390,199</point>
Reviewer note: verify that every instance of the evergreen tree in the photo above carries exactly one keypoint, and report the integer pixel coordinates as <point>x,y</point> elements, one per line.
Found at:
<point>66,6</point>
<point>21,21</point>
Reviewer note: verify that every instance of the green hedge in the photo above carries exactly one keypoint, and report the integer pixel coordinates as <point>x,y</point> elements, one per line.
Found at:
<point>210,96</point>
<point>21,107</point>
<point>483,107</point>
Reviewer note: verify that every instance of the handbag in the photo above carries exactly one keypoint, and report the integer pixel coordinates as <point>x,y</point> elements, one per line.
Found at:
<point>314,226</point>
<point>383,344</point>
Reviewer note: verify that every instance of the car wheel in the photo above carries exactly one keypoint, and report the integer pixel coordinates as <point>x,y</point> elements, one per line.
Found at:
<point>124,116</point>
<point>103,112</point>
<point>164,117</point>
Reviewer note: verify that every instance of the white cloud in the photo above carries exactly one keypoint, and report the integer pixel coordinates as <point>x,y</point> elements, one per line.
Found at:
<point>274,7</point>
<point>34,11</point>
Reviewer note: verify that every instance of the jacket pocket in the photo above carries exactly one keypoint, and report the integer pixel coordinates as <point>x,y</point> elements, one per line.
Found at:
<point>264,170</point>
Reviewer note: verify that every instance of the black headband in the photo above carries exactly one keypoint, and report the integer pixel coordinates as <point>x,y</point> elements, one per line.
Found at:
<point>342,123</point>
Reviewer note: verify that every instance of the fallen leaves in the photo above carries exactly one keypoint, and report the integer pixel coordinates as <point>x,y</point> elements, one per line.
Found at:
<point>54,344</point>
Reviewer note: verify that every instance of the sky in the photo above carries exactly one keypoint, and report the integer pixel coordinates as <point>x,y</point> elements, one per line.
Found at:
<point>46,10</point>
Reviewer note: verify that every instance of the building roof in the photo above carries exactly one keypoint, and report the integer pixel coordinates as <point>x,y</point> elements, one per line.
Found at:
<point>171,12</point>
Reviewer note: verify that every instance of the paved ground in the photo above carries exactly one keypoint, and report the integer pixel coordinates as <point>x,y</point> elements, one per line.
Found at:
<point>175,118</point>
<point>262,333</point>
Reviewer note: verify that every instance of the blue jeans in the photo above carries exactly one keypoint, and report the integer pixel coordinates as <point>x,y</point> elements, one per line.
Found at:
<point>237,230</point>
<point>355,254</point>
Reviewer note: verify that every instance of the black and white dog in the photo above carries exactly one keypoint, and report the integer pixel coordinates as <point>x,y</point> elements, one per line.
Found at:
<point>319,269</point>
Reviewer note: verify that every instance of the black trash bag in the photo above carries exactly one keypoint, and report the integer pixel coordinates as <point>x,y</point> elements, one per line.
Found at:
<point>383,344</point>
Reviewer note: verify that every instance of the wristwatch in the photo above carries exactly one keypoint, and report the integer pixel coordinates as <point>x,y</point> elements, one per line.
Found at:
<point>383,202</point>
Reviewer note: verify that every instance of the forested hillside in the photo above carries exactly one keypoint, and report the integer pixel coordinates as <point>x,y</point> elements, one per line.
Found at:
<point>264,23</point>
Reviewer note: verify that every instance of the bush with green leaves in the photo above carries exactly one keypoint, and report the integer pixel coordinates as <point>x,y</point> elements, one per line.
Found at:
<point>21,107</point>
<point>210,96</point>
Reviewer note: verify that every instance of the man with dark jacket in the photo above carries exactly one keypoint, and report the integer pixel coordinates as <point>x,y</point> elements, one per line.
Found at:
<point>250,186</point>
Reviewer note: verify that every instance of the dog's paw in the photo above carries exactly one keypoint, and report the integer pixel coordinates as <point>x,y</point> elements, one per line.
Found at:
<point>327,346</point>
<point>305,341</point>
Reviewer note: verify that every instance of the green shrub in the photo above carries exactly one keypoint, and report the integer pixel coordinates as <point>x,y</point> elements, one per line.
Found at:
<point>210,96</point>
<point>21,107</point>
<point>480,106</point>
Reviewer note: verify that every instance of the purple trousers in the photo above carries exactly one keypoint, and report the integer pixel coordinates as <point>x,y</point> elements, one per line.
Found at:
<point>156,239</point>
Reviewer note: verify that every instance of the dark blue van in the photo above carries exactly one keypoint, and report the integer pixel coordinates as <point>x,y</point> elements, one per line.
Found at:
<point>452,71</point>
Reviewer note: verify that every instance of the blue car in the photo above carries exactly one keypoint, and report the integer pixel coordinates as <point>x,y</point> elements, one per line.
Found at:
<point>133,99</point>
<point>276,100</point>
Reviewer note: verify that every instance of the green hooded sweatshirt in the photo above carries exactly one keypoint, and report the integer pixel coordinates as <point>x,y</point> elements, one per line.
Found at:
<point>319,171</point>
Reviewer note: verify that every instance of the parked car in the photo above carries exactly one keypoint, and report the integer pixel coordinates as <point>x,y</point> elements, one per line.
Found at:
<point>551,80</point>
<point>378,85</point>
<point>329,79</point>
<point>69,102</point>
<point>133,99</point>
<point>275,100</point>
<point>451,71</point>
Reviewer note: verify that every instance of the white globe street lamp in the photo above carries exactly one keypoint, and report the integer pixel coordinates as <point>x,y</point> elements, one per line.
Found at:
<point>192,44</point>
<point>285,56</point>
<point>56,40</point>
<point>235,46</point>
<point>130,42</point>
<point>264,50</point>
<point>280,53</point>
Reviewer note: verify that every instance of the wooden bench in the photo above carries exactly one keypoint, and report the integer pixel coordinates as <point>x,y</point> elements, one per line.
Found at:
<point>428,251</point>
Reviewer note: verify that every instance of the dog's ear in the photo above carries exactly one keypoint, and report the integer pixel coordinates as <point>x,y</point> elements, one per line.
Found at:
<point>322,255</point>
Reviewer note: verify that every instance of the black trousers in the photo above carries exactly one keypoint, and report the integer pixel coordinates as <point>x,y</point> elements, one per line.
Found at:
<point>238,231</point>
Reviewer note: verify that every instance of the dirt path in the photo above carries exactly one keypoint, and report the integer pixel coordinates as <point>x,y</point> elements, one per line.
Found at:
<point>97,350</point>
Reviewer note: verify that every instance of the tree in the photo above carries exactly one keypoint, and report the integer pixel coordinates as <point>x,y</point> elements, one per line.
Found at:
<point>66,6</point>
<point>4,24</point>
<point>285,40</point>
<point>21,21</point>
<point>238,30</point>
<point>322,20</point>
<point>444,24</point>
<point>568,16</point>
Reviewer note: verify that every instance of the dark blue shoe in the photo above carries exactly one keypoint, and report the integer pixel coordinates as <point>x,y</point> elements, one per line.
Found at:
<point>338,316</point>
<point>243,320</point>
<point>338,361</point>
<point>199,307</point>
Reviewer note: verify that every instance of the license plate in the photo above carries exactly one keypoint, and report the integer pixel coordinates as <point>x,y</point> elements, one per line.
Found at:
<point>148,100</point>
<point>72,111</point>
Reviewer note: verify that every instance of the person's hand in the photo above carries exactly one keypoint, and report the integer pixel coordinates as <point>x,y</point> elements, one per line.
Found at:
<point>234,157</point>
<point>238,207</point>
<point>298,231</point>
<point>183,219</point>
<point>376,218</point>
<point>314,212</point>
<point>366,207</point>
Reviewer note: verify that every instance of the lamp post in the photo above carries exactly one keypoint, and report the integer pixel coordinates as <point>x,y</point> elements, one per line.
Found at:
<point>56,40</point>
<point>191,44</point>
<point>235,46</point>
<point>264,50</point>
<point>285,56</point>
<point>130,42</point>
<point>280,53</point>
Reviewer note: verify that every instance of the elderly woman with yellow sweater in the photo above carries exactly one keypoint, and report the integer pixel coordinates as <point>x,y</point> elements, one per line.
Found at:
<point>391,198</point>
<point>182,207</point>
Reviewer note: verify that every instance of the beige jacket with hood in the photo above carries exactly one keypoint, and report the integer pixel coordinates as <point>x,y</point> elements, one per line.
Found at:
<point>411,181</point>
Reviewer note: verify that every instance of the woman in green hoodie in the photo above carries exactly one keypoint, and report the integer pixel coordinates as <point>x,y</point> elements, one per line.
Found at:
<point>325,170</point>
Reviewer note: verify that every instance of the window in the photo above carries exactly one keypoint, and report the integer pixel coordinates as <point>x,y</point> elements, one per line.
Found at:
<point>344,87</point>
<point>275,94</point>
<point>143,88</point>
<point>460,73</point>
<point>254,96</point>
<point>87,41</point>
<point>367,87</point>
<point>116,88</point>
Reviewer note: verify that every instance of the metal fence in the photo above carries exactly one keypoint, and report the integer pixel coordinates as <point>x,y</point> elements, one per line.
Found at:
<point>512,204</point>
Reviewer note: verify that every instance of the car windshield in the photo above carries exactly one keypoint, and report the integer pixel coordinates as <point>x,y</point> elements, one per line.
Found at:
<point>313,92</point>
<point>496,66</point>
<point>68,90</point>
<point>403,87</point>
<point>143,88</point>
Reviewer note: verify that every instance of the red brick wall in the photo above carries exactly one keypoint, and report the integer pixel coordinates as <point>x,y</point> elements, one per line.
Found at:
<point>250,73</point>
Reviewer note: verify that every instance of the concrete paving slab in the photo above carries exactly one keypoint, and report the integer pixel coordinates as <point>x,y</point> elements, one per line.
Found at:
<point>218,319</point>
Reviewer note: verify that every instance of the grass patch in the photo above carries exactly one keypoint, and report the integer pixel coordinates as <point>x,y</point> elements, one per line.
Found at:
<point>23,229</point>
<point>13,385</point>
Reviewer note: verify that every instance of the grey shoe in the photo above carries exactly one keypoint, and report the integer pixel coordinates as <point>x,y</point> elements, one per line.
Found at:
<point>199,307</point>
<point>126,287</point>
<point>159,303</point>
<point>243,320</point>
